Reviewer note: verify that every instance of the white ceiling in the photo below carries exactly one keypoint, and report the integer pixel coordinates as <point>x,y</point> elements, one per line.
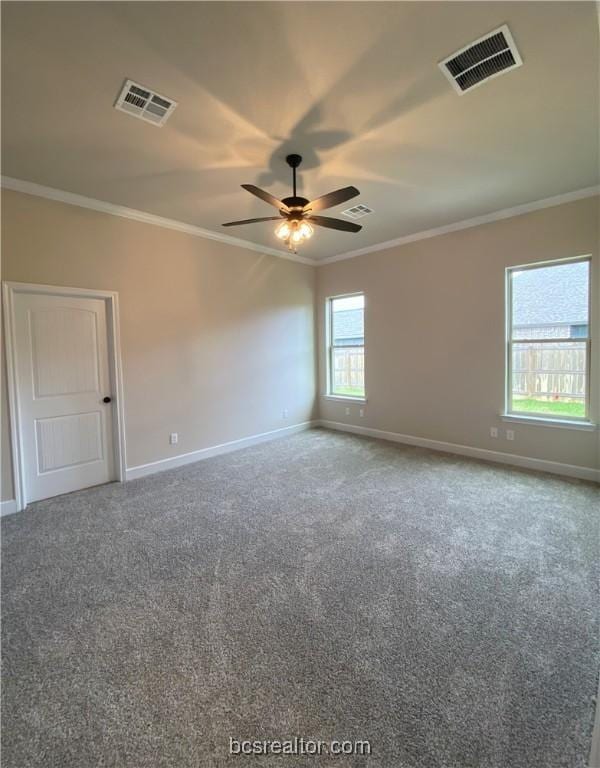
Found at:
<point>354,87</point>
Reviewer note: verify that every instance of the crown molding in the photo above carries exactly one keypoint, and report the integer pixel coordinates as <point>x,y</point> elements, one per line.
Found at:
<point>38,190</point>
<point>71,198</point>
<point>486,218</point>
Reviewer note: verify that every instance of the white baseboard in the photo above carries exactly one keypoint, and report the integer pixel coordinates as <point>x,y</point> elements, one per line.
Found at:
<point>215,450</point>
<point>542,465</point>
<point>570,470</point>
<point>8,507</point>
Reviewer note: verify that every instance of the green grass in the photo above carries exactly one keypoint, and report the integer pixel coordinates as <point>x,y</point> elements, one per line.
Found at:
<point>349,391</point>
<point>525,405</point>
<point>554,407</point>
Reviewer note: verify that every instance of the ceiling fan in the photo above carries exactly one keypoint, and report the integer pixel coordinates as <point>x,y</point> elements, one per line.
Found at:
<point>298,212</point>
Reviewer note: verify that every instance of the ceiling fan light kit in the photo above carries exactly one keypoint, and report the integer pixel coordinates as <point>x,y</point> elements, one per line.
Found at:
<point>294,232</point>
<point>298,212</point>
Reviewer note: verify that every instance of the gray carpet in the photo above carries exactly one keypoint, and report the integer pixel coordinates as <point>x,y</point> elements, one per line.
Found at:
<point>325,586</point>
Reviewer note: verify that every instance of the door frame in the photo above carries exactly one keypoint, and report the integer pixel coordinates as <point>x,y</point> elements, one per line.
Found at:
<point>111,299</point>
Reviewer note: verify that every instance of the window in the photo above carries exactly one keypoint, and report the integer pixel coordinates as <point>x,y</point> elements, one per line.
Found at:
<point>346,345</point>
<point>548,351</point>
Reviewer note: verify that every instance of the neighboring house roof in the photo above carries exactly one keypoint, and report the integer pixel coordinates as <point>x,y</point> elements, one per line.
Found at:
<point>349,326</point>
<point>551,295</point>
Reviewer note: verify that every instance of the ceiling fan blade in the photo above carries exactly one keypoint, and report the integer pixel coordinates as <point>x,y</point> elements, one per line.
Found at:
<point>251,221</point>
<point>326,221</point>
<point>331,199</point>
<point>268,198</point>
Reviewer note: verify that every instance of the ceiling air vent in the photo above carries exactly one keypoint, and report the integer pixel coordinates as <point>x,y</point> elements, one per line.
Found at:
<point>488,57</point>
<point>139,101</point>
<point>357,211</point>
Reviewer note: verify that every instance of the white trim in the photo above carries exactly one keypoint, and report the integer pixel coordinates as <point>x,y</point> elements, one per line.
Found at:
<point>38,190</point>
<point>8,507</point>
<point>521,418</point>
<point>542,465</point>
<point>345,398</point>
<point>330,395</point>
<point>114,334</point>
<point>506,213</point>
<point>510,413</point>
<point>9,289</point>
<point>14,410</point>
<point>214,450</point>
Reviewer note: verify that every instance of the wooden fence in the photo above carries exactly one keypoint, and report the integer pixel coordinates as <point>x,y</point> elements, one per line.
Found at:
<point>538,370</point>
<point>544,370</point>
<point>349,367</point>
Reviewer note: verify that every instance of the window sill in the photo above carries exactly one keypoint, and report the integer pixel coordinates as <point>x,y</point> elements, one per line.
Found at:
<point>345,398</point>
<point>541,421</point>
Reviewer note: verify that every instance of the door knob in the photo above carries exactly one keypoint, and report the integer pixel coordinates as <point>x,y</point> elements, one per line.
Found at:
<point>106,399</point>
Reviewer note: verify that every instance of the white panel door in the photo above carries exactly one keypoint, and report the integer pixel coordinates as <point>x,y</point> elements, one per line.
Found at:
<point>63,376</point>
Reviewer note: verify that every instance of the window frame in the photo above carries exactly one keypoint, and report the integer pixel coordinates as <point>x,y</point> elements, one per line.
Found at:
<point>329,393</point>
<point>530,416</point>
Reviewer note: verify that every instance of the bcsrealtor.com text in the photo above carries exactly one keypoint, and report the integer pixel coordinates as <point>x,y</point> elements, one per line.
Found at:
<point>298,745</point>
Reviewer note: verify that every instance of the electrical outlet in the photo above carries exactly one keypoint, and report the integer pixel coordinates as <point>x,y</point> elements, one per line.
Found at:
<point>493,431</point>
<point>284,413</point>
<point>347,411</point>
<point>173,437</point>
<point>361,413</point>
<point>510,434</point>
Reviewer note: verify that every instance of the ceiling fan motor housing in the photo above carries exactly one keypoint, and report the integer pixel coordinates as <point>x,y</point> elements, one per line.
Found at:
<point>295,202</point>
<point>293,160</point>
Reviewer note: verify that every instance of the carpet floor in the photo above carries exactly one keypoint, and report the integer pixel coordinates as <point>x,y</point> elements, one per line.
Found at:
<point>324,586</point>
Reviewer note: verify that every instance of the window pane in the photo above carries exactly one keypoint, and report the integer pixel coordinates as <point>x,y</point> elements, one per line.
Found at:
<point>348,371</point>
<point>348,346</point>
<point>549,378</point>
<point>551,302</point>
<point>347,321</point>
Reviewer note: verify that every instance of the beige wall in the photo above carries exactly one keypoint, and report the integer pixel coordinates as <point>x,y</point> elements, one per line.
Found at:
<point>434,327</point>
<point>216,340</point>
